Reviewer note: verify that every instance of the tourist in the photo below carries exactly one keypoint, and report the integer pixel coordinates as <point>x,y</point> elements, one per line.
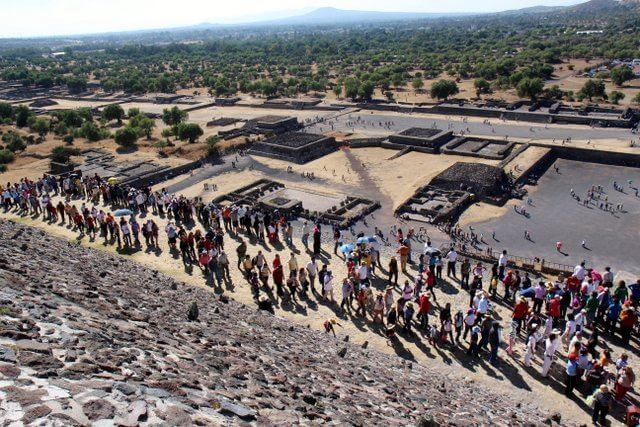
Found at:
<point>602,404</point>
<point>551,345</point>
<point>393,272</point>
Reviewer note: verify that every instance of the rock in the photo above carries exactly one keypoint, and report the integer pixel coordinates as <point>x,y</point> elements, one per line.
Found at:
<point>365,344</point>
<point>240,411</point>
<point>7,354</point>
<point>346,338</point>
<point>23,396</point>
<point>216,309</point>
<point>342,352</point>
<point>193,313</point>
<point>103,274</point>
<point>35,346</point>
<point>125,388</point>
<point>137,412</point>
<point>9,371</point>
<point>98,409</point>
<point>311,400</point>
<point>38,361</point>
<point>34,413</point>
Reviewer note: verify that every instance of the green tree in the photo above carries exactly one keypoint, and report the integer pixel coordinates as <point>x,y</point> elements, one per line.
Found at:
<point>126,137</point>
<point>23,115</point>
<point>615,97</point>
<point>365,91</point>
<point>90,131</point>
<point>6,156</point>
<point>593,89</point>
<point>6,111</point>
<point>443,89</point>
<point>188,131</point>
<point>530,87</point>
<point>417,84</point>
<point>146,126</point>
<point>41,126</point>
<point>337,90</point>
<point>212,144</point>
<point>113,112</point>
<point>622,74</point>
<point>76,84</point>
<point>61,154</point>
<point>351,87</point>
<point>13,142</point>
<point>636,99</point>
<point>172,116</point>
<point>482,86</point>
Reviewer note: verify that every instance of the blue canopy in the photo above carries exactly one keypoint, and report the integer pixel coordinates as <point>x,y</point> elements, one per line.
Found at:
<point>345,249</point>
<point>122,212</point>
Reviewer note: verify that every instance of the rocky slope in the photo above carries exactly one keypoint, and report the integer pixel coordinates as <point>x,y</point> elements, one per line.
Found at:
<point>89,337</point>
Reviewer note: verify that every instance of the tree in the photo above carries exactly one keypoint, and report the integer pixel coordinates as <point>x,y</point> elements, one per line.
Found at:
<point>23,114</point>
<point>188,131</point>
<point>351,88</point>
<point>90,131</point>
<point>482,86</point>
<point>530,87</point>
<point>417,84</point>
<point>76,84</point>
<point>443,89</point>
<point>212,144</point>
<point>6,156</point>
<point>6,111</point>
<point>615,97</point>
<point>172,116</point>
<point>337,90</point>
<point>13,142</point>
<point>61,154</point>
<point>636,99</point>
<point>113,112</point>
<point>622,74</point>
<point>126,137</point>
<point>41,126</point>
<point>365,91</point>
<point>146,126</point>
<point>593,89</point>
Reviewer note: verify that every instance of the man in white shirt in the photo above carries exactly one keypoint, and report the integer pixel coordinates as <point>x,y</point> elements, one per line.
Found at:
<point>312,272</point>
<point>502,264</point>
<point>452,257</point>
<point>579,272</point>
<point>551,345</point>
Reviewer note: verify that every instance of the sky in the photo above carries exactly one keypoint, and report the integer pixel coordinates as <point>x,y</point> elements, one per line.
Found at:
<point>27,18</point>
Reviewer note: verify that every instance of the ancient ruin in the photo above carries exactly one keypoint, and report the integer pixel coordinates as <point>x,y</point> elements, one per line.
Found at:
<point>295,147</point>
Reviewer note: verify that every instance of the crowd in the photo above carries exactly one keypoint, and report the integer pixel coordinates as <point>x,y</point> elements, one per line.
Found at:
<point>570,319</point>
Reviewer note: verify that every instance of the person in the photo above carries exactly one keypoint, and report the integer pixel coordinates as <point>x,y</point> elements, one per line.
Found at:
<point>312,272</point>
<point>571,375</point>
<point>452,257</point>
<point>494,343</point>
<point>403,252</point>
<point>473,342</point>
<point>424,306</point>
<point>551,345</point>
<point>520,313</point>
<point>241,251</point>
<point>602,403</point>
<point>327,289</point>
<point>328,326</point>
<point>624,383</point>
<point>502,264</point>
<point>408,316</point>
<point>393,272</point>
<point>465,272</point>
<point>532,342</point>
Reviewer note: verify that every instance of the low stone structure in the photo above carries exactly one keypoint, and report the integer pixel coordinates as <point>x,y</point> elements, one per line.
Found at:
<point>294,203</point>
<point>486,148</point>
<point>265,125</point>
<point>296,147</point>
<point>138,173</point>
<point>484,181</point>
<point>434,205</point>
<point>425,139</point>
<point>222,121</point>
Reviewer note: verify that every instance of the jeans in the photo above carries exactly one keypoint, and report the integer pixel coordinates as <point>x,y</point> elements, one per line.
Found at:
<point>493,356</point>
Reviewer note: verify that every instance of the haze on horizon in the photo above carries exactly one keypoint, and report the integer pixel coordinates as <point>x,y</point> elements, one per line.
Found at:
<point>35,18</point>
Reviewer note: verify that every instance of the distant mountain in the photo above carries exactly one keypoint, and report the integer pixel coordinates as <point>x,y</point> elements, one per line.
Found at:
<point>531,10</point>
<point>330,15</point>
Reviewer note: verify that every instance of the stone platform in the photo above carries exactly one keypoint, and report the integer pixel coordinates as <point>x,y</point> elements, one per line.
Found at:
<point>295,147</point>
